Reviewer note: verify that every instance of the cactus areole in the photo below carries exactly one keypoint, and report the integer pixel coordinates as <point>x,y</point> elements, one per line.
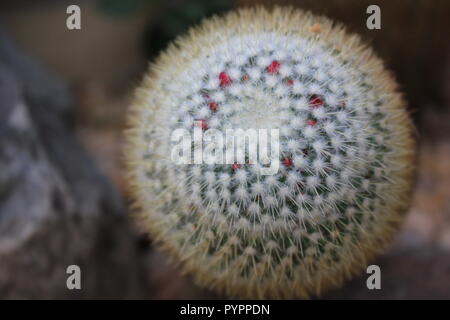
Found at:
<point>346,153</point>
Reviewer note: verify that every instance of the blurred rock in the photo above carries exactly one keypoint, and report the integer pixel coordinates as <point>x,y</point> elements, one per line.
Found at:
<point>56,208</point>
<point>413,273</point>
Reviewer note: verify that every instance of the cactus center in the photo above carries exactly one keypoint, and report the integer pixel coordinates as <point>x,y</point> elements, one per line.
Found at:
<point>260,111</point>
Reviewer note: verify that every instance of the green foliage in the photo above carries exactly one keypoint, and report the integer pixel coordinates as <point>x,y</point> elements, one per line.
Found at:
<point>174,17</point>
<point>176,20</point>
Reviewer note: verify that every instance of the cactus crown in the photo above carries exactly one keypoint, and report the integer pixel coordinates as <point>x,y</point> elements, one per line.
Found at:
<point>345,153</point>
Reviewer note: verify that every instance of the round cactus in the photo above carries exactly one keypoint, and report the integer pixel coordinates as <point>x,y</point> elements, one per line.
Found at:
<point>346,153</point>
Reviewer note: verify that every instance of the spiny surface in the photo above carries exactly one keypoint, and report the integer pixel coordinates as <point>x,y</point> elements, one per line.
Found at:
<point>345,154</point>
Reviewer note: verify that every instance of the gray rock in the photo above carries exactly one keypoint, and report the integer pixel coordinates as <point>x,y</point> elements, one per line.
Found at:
<point>406,273</point>
<point>56,208</point>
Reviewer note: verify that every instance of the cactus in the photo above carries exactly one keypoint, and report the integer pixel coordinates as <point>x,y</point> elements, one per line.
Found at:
<point>346,154</point>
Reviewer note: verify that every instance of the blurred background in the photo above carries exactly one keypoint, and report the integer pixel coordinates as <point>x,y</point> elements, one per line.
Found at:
<point>63,101</point>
